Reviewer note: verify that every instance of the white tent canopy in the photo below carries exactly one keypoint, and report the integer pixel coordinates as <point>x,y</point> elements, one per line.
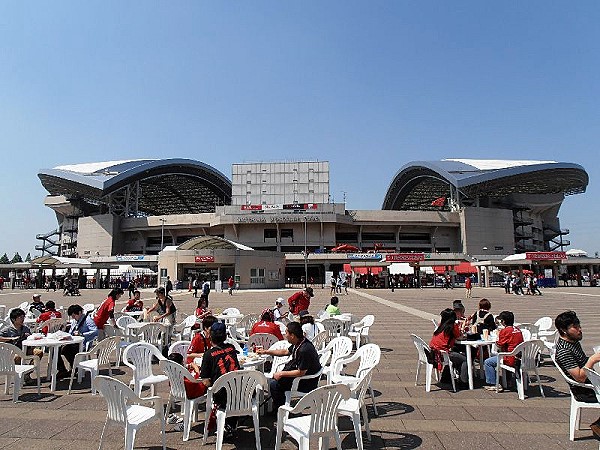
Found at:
<point>576,252</point>
<point>407,269</point>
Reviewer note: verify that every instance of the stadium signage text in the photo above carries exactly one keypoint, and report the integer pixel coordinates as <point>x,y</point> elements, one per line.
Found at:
<point>204,259</point>
<point>405,257</point>
<point>544,256</point>
<point>363,256</point>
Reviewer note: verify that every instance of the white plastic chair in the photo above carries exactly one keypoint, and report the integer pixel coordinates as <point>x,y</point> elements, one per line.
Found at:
<point>231,320</point>
<point>123,342</point>
<point>355,405</point>
<point>278,361</point>
<point>93,360</point>
<point>529,351</point>
<point>333,327</point>
<point>180,347</point>
<point>294,391</point>
<point>531,328</point>
<point>576,405</point>
<point>9,369</point>
<point>52,324</point>
<point>526,334</point>
<point>237,347</point>
<point>422,350</point>
<point>154,333</point>
<point>544,325</point>
<point>125,320</point>
<point>139,356</point>
<point>594,378</point>
<point>320,340</point>
<point>368,357</point>
<point>360,330</point>
<point>243,388</point>
<point>183,330</point>
<point>176,374</point>
<point>319,420</point>
<point>338,347</point>
<point>88,307</point>
<point>124,409</point>
<point>245,324</point>
<point>264,340</point>
<point>435,324</point>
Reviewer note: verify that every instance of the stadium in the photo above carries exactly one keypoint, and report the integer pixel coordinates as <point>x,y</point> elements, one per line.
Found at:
<point>273,223</point>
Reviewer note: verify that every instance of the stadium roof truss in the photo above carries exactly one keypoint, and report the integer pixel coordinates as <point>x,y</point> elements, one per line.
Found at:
<point>464,182</point>
<point>136,188</point>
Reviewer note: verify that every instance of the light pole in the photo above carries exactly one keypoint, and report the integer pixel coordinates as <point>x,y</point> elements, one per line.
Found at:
<point>162,233</point>
<point>305,255</point>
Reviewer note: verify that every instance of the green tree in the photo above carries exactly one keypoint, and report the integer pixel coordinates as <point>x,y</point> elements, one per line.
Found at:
<point>4,259</point>
<point>16,259</point>
<point>28,257</point>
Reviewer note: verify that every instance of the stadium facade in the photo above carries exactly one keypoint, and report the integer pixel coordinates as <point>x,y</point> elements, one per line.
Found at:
<point>274,222</point>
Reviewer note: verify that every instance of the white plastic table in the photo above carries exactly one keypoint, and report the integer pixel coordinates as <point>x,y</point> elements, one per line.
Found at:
<point>474,344</point>
<point>53,346</point>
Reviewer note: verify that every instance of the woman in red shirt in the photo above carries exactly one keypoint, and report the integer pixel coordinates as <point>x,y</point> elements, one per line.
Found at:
<point>444,338</point>
<point>508,338</point>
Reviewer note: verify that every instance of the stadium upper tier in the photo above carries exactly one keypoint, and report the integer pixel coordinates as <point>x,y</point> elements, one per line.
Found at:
<point>143,187</point>
<point>467,181</point>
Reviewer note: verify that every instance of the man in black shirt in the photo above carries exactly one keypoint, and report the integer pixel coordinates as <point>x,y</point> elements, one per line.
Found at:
<point>305,361</point>
<point>572,359</point>
<point>218,360</point>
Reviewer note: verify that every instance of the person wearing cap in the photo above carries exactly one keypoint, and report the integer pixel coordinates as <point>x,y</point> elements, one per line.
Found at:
<point>266,325</point>
<point>300,301</point>
<point>304,361</point>
<point>218,360</point>
<point>277,315</point>
<point>36,303</point>
<point>309,328</point>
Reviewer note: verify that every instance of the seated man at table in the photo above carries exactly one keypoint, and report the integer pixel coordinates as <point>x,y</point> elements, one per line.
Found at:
<point>508,338</point>
<point>16,332</point>
<point>218,360</point>
<point>81,325</point>
<point>266,325</point>
<point>201,340</point>
<point>571,358</point>
<point>333,308</point>
<point>444,338</point>
<point>305,361</point>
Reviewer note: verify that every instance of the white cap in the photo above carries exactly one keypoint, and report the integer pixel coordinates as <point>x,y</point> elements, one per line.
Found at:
<point>279,300</point>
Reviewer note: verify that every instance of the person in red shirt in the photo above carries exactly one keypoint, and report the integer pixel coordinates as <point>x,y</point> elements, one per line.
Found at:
<point>230,284</point>
<point>266,325</point>
<point>300,301</point>
<point>49,313</point>
<point>468,287</point>
<point>201,309</point>
<point>201,340</point>
<point>106,311</point>
<point>192,389</point>
<point>444,338</point>
<point>508,338</point>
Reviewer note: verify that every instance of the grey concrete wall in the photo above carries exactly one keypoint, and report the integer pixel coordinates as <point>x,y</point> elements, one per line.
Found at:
<point>95,235</point>
<point>485,230</point>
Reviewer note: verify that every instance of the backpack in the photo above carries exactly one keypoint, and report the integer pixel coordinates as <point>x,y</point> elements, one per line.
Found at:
<point>206,288</point>
<point>480,321</point>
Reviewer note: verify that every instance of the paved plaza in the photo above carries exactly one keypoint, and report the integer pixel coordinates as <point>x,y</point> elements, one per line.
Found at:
<point>408,416</point>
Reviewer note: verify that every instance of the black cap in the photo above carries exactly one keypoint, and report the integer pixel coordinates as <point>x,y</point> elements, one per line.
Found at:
<point>309,290</point>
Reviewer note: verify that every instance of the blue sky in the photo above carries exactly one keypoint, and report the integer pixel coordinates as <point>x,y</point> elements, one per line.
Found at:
<point>368,86</point>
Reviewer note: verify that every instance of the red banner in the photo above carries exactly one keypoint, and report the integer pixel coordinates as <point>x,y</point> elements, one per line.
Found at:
<point>204,259</point>
<point>252,207</point>
<point>405,257</point>
<point>543,256</point>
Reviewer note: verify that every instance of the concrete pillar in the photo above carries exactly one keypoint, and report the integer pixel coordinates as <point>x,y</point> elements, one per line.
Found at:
<point>487,276</point>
